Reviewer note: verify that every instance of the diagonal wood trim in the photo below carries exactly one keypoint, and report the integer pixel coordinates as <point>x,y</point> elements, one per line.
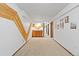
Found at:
<point>26,40</point>
<point>29,30</point>
<point>20,26</point>
<point>5,15</point>
<point>11,14</point>
<point>7,9</point>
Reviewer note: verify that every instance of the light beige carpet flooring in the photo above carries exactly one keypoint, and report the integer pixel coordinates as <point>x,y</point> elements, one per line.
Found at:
<point>42,47</point>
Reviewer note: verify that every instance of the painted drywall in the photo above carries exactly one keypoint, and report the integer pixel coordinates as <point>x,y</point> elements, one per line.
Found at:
<point>69,38</point>
<point>26,25</point>
<point>24,17</point>
<point>10,37</point>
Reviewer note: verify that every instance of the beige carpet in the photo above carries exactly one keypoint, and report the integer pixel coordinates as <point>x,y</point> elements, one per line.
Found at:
<point>42,47</point>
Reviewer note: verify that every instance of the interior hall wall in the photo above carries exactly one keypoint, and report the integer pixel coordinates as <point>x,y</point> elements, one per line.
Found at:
<point>10,37</point>
<point>67,37</point>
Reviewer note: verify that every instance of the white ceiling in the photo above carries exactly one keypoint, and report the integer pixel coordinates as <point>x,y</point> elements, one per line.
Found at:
<point>41,11</point>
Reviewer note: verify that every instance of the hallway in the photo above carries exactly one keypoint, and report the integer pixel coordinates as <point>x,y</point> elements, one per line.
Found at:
<point>42,47</point>
<point>32,29</point>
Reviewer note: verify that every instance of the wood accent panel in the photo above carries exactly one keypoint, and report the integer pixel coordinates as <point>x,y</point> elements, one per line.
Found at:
<point>37,33</point>
<point>29,29</point>
<point>7,9</point>
<point>11,14</point>
<point>20,26</point>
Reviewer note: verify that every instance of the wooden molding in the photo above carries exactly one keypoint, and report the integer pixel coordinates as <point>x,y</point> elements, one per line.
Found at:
<point>20,26</point>
<point>11,14</point>
<point>7,9</point>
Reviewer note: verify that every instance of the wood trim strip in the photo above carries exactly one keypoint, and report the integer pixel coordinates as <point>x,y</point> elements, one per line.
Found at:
<point>29,31</point>
<point>65,48</point>
<point>11,14</point>
<point>5,15</point>
<point>20,27</point>
<point>7,9</point>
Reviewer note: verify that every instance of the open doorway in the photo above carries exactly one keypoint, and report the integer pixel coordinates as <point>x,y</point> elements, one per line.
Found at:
<point>51,29</point>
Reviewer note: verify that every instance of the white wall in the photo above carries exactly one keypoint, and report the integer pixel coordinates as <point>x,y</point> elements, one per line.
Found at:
<point>67,37</point>
<point>33,28</point>
<point>45,33</point>
<point>10,37</point>
<point>26,25</point>
<point>23,15</point>
<point>25,18</point>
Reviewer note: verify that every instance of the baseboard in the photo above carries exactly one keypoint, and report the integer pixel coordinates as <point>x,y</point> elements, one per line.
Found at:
<point>54,40</point>
<point>64,48</point>
<point>19,48</point>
